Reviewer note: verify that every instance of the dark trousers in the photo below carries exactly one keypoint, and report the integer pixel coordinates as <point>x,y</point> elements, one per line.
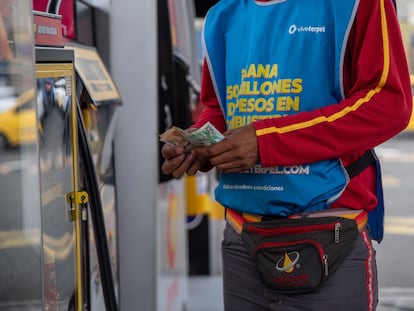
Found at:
<point>353,287</point>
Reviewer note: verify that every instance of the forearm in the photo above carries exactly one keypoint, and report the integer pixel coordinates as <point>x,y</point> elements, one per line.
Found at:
<point>377,105</point>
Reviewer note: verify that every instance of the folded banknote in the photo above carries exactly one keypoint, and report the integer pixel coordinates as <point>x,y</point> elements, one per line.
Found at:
<point>204,136</point>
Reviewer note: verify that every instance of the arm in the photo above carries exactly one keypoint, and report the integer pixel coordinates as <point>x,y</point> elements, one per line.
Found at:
<point>212,111</point>
<point>377,105</point>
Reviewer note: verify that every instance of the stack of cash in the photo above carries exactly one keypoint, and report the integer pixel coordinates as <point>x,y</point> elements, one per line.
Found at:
<point>204,136</point>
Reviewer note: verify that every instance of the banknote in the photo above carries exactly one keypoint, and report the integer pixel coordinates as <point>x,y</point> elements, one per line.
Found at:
<point>204,136</point>
<point>174,136</point>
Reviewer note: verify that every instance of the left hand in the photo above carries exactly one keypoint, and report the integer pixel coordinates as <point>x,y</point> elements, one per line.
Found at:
<point>238,151</point>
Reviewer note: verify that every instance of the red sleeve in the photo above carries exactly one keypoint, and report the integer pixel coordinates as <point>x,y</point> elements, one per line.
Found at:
<point>377,105</point>
<point>212,111</point>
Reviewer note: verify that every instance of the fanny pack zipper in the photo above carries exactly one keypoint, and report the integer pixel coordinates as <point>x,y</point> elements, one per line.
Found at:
<point>334,226</point>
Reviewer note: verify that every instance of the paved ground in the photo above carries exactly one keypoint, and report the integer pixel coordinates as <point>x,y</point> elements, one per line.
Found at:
<point>396,299</point>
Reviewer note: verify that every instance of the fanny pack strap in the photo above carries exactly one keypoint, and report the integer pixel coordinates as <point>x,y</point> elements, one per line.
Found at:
<point>375,217</point>
<point>237,219</point>
<point>356,167</point>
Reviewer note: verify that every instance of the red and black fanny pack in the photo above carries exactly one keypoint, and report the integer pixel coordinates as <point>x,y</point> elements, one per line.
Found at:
<point>295,255</point>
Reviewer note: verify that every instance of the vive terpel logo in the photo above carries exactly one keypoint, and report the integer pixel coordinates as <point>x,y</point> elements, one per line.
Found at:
<point>287,262</point>
<point>312,29</point>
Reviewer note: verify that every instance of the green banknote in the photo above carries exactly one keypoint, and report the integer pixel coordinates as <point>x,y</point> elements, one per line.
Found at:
<point>204,136</point>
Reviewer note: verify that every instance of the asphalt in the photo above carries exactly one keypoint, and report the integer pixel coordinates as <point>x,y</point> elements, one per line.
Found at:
<point>396,299</point>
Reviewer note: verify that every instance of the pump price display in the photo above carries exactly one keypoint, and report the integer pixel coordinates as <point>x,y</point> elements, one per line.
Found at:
<point>204,136</point>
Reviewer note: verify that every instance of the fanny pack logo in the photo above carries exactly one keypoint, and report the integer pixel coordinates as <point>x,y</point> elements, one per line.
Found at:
<point>312,29</point>
<point>287,262</point>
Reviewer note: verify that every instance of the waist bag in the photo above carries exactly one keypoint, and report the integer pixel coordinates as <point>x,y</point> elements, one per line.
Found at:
<point>295,255</point>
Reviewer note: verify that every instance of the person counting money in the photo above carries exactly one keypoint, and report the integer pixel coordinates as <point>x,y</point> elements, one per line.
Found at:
<point>302,92</point>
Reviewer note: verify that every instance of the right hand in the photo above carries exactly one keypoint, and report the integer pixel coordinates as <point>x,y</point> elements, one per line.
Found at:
<point>177,162</point>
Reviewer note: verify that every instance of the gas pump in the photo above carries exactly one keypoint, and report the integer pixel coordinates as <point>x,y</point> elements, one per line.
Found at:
<point>77,103</point>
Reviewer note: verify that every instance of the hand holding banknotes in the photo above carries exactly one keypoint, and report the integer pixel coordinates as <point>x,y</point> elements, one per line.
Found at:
<point>238,151</point>
<point>205,136</point>
<point>178,160</point>
<point>178,144</point>
<point>197,149</point>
